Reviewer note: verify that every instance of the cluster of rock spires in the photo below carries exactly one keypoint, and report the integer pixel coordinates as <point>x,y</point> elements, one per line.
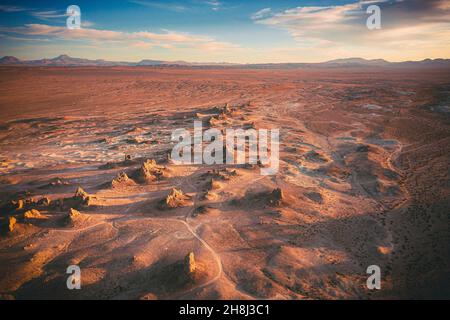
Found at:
<point>226,115</point>
<point>121,180</point>
<point>24,209</point>
<point>175,199</point>
<point>213,178</point>
<point>28,204</point>
<point>80,199</point>
<point>57,182</point>
<point>223,115</point>
<point>222,174</point>
<point>28,210</point>
<point>274,198</point>
<point>32,214</point>
<point>149,171</point>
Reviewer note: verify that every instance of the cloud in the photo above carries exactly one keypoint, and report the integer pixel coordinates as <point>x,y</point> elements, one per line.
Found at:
<point>142,45</point>
<point>160,5</point>
<point>42,15</point>
<point>48,15</point>
<point>87,24</point>
<point>261,14</point>
<point>6,8</point>
<point>344,26</point>
<point>214,4</point>
<point>63,32</point>
<point>170,36</point>
<point>166,39</point>
<point>23,39</point>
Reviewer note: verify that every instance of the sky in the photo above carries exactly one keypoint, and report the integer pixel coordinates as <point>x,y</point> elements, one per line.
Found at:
<point>245,31</point>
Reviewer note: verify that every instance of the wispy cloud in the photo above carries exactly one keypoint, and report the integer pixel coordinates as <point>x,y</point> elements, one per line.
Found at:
<point>261,14</point>
<point>160,5</point>
<point>165,39</point>
<point>214,4</point>
<point>48,15</point>
<point>45,15</point>
<point>6,8</point>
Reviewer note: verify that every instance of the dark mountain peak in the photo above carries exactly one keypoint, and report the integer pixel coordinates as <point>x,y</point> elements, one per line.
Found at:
<point>62,57</point>
<point>358,61</point>
<point>148,62</point>
<point>9,59</point>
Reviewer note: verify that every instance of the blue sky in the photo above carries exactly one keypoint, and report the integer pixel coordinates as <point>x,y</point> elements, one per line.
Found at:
<point>242,31</point>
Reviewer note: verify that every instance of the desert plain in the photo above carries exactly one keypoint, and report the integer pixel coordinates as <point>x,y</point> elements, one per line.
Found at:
<point>86,180</point>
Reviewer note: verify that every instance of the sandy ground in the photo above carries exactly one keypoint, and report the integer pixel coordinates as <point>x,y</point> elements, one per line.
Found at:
<point>364,174</point>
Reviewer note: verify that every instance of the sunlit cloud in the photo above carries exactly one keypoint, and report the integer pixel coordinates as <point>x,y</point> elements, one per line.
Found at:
<point>344,26</point>
<point>147,39</point>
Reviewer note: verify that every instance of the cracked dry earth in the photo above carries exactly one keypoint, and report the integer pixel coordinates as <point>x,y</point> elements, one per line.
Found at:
<point>364,175</point>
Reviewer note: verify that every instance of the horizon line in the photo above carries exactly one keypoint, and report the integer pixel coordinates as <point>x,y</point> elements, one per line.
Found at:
<point>222,62</point>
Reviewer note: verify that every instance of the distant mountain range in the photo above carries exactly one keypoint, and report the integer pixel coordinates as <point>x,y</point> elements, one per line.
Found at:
<point>66,61</point>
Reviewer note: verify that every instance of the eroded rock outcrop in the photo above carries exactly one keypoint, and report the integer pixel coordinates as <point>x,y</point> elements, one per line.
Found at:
<point>213,185</point>
<point>18,205</point>
<point>210,196</point>
<point>80,199</point>
<point>150,171</point>
<point>276,197</point>
<point>189,265</point>
<point>32,214</point>
<point>128,161</point>
<point>11,224</point>
<point>122,180</point>
<point>72,217</point>
<point>175,199</point>
<point>44,202</point>
<point>223,174</point>
<point>80,194</point>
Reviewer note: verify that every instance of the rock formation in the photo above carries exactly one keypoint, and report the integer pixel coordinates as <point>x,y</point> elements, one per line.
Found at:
<point>11,224</point>
<point>213,185</point>
<point>210,196</point>
<point>72,217</point>
<point>81,198</point>
<point>18,205</point>
<point>128,161</point>
<point>150,171</point>
<point>32,214</point>
<point>81,194</point>
<point>189,265</point>
<point>121,180</point>
<point>175,199</point>
<point>276,197</point>
<point>223,174</point>
<point>44,202</point>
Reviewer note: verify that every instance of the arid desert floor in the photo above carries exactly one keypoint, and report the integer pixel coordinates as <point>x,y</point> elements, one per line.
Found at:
<point>85,180</point>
